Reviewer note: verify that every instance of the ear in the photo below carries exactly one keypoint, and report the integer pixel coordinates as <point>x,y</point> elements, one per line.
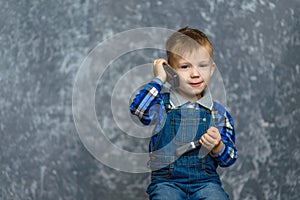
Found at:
<point>212,69</point>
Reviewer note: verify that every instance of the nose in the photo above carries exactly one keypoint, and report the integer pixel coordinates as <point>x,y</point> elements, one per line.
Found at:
<point>195,72</point>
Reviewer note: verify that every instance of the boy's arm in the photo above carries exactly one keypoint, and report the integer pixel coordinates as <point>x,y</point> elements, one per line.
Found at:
<point>228,153</point>
<point>145,100</point>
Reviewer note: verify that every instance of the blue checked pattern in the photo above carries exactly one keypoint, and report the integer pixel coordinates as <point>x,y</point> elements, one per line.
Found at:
<point>150,96</point>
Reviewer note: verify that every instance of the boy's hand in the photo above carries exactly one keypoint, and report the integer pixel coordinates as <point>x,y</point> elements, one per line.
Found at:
<point>211,140</point>
<point>158,69</point>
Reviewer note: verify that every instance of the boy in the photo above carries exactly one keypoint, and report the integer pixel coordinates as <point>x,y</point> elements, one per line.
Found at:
<point>183,115</point>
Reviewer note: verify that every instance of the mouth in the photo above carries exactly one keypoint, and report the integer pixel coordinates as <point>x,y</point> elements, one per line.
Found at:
<point>197,84</point>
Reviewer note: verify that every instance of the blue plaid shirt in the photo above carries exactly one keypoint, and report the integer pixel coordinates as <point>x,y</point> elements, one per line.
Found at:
<point>151,96</point>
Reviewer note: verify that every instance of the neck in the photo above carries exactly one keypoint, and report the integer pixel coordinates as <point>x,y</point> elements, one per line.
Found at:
<point>191,98</point>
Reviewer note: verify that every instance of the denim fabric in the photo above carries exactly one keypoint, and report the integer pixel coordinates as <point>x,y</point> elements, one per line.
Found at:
<point>178,191</point>
<point>189,176</point>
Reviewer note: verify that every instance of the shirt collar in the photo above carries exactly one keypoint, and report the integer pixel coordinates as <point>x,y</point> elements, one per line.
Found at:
<point>205,101</point>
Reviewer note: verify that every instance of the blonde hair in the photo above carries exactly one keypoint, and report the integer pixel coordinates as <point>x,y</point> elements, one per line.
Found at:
<point>186,40</point>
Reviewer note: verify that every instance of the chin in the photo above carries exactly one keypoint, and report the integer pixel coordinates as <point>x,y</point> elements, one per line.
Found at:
<point>191,93</point>
<point>198,91</point>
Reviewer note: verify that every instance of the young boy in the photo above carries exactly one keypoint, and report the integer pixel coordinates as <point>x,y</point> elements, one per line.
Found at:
<point>183,115</point>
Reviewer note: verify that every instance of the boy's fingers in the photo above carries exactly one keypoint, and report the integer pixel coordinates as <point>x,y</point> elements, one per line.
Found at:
<point>207,141</point>
<point>212,134</point>
<point>214,129</point>
<point>159,61</point>
<point>206,144</point>
<point>208,138</point>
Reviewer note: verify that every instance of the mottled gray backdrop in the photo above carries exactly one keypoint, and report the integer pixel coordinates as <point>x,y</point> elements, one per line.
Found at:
<point>43,43</point>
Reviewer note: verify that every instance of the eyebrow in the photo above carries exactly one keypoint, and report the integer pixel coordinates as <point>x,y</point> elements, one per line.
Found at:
<point>205,62</point>
<point>188,63</point>
<point>184,63</point>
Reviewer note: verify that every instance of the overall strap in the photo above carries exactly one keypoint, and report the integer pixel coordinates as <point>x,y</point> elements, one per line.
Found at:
<point>212,119</point>
<point>166,100</point>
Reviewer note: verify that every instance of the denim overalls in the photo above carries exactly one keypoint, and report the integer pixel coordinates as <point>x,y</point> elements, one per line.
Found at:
<point>189,171</point>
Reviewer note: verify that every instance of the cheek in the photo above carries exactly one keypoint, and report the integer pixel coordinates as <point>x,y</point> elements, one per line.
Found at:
<point>205,75</point>
<point>182,76</point>
<point>182,81</point>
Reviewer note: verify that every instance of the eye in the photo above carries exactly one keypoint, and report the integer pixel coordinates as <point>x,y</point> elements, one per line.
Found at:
<point>184,67</point>
<point>203,65</point>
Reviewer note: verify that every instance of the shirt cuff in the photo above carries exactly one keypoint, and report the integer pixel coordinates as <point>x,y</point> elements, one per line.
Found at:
<point>220,153</point>
<point>158,81</point>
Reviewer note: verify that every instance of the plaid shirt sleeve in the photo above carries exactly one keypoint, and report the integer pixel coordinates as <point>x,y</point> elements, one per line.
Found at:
<point>224,122</point>
<point>144,102</point>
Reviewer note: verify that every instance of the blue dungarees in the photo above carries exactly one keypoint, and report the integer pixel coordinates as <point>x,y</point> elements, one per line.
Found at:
<point>186,176</point>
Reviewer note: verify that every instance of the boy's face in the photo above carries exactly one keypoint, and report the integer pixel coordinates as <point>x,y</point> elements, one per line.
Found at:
<point>194,70</point>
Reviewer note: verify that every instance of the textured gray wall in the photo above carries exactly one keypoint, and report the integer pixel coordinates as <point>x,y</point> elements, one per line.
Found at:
<point>43,43</point>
